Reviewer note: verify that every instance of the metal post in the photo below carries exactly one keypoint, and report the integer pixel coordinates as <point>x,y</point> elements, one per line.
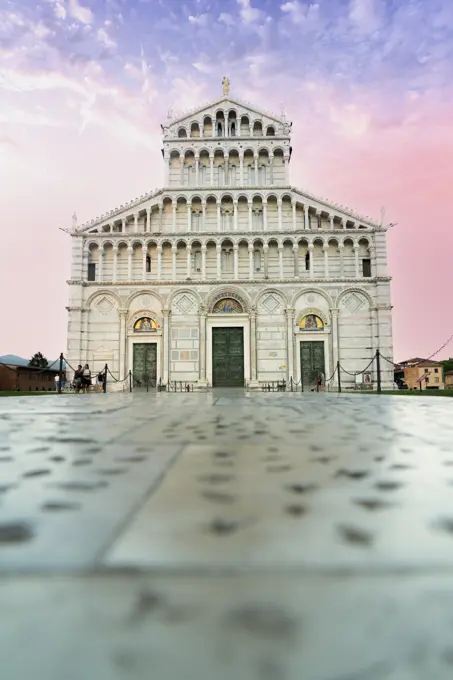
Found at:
<point>60,374</point>
<point>105,378</point>
<point>378,370</point>
<point>130,380</point>
<point>339,379</point>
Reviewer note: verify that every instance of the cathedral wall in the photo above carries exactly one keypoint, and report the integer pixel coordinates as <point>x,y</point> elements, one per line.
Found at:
<point>185,342</point>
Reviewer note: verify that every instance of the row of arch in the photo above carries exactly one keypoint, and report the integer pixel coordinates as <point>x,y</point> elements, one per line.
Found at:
<point>250,302</point>
<point>304,242</point>
<point>264,152</point>
<point>227,123</point>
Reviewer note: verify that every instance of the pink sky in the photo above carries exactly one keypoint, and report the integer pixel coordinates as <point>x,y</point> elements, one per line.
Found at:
<point>83,134</point>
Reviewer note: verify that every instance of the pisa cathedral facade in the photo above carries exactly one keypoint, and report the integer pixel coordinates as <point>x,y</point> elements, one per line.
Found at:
<point>229,274</point>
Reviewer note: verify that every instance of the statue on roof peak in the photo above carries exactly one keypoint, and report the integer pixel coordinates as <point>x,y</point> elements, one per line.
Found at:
<point>226,85</point>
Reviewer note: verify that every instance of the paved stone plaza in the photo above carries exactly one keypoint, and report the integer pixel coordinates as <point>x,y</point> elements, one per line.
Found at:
<point>224,535</point>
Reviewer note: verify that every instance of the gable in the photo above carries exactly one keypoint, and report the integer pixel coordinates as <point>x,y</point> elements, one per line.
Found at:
<point>226,105</point>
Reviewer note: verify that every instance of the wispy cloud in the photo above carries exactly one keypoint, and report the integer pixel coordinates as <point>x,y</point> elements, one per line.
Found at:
<point>80,12</point>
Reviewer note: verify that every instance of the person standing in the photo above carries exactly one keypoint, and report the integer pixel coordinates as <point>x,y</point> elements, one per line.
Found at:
<point>78,378</point>
<point>57,382</point>
<point>100,381</point>
<point>86,378</point>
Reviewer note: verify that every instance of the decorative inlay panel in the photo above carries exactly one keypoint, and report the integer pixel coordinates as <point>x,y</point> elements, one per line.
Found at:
<point>104,305</point>
<point>354,302</point>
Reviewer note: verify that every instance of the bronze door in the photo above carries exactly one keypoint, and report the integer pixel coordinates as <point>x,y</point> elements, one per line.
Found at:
<point>145,364</point>
<point>228,357</point>
<point>312,362</point>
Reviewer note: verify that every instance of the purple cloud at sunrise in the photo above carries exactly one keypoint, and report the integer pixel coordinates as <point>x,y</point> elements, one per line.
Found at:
<point>85,84</point>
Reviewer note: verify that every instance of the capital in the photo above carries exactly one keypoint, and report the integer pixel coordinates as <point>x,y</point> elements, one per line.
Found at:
<point>159,247</point>
<point>136,216</point>
<point>251,248</point>
<point>279,200</point>
<point>130,249</point>
<point>295,247</point>
<point>219,248</point>
<point>174,248</point>
<point>122,313</point>
<point>166,313</point>
<point>204,247</point>
<point>115,248</point>
<point>356,247</point>
<point>325,247</point>
<point>235,247</point>
<point>189,247</point>
<point>265,247</point>
<point>290,311</point>
<point>280,247</point>
<point>311,247</point>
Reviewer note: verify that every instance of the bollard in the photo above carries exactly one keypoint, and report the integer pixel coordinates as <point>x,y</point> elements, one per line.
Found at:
<point>130,381</point>
<point>339,379</point>
<point>106,368</point>
<point>378,369</point>
<point>60,373</point>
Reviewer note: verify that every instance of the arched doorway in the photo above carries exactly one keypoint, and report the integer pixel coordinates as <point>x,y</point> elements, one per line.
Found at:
<point>227,341</point>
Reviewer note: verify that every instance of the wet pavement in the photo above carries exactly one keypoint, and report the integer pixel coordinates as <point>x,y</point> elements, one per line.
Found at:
<point>226,535</point>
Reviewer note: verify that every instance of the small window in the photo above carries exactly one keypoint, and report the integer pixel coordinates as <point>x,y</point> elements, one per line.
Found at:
<point>148,264</point>
<point>436,370</point>
<point>91,271</point>
<point>307,262</point>
<point>366,267</point>
<point>257,260</point>
<point>427,379</point>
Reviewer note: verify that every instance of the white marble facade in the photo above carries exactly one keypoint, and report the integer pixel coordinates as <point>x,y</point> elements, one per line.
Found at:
<point>229,225</point>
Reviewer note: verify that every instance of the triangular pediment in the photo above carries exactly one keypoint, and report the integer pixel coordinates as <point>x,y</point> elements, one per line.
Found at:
<point>226,103</point>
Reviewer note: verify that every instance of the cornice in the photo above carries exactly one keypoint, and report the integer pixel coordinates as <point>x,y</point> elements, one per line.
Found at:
<point>237,139</point>
<point>232,235</point>
<point>231,282</point>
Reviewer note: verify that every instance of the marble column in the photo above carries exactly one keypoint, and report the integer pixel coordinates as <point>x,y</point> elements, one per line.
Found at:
<point>124,226</point>
<point>174,205</point>
<point>279,210</point>
<point>202,355</point>
<point>189,261</point>
<point>325,249</point>
<point>144,254</point>
<point>306,218</point>
<point>253,358</point>
<point>219,217</point>
<point>219,262</point>
<point>341,251</point>
<point>161,216</point>
<point>266,260</point>
<point>356,257</point>
<point>286,167</point>
<point>236,261</point>
<point>265,215</point>
<point>296,260</point>
<point>211,170</point>
<point>293,205</point>
<point>256,171</point>
<point>115,262</point>
<point>122,343</point>
<point>130,250</point>
<point>241,170</point>
<point>197,170</point>
<point>100,263</point>
<point>203,262</point>
<point>331,223</point>
<point>271,170</point>
<point>290,373</point>
<point>174,249</point>
<point>169,172</point>
<point>135,223</point>
<point>335,351</point>
<point>181,172</point>
<point>310,251</point>
<point>159,262</point>
<point>166,343</point>
<point>280,261</point>
<point>250,216</point>
<point>235,217</point>
<point>250,262</point>
<point>372,251</point>
<point>189,217</point>
<point>148,220</point>
<point>203,216</point>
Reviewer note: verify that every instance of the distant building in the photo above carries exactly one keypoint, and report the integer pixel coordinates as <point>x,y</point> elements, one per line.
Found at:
<point>448,380</point>
<point>20,378</point>
<point>424,372</point>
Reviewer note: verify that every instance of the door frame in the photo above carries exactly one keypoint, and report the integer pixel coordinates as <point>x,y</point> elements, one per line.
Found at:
<point>144,340</point>
<point>227,321</point>
<point>313,336</point>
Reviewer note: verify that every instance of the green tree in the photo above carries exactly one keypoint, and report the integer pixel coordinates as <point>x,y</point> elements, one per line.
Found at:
<point>447,365</point>
<point>38,361</point>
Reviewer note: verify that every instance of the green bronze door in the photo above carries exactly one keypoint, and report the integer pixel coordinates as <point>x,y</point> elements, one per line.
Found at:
<point>311,362</point>
<point>228,357</point>
<point>145,364</point>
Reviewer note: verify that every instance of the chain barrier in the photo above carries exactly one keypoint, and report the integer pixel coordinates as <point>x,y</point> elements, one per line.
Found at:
<point>359,372</point>
<point>115,379</point>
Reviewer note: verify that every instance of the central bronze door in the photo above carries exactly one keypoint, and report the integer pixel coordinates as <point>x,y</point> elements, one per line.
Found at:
<point>228,357</point>
<point>145,364</point>
<point>311,362</point>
